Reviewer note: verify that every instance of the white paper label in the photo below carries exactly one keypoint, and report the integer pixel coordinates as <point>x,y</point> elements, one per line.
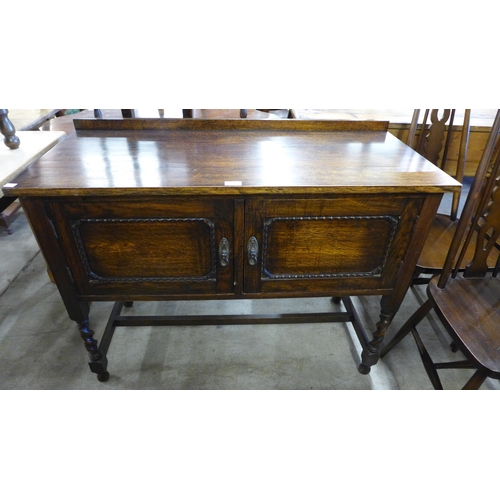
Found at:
<point>233,183</point>
<point>10,185</point>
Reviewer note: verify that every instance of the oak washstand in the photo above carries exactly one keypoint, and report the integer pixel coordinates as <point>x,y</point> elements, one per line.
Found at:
<point>166,209</point>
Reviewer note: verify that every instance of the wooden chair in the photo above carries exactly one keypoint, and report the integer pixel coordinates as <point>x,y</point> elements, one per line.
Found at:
<point>433,143</point>
<point>467,302</point>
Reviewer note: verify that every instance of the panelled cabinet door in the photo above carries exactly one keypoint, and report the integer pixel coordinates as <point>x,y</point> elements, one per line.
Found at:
<point>164,246</point>
<point>346,244</point>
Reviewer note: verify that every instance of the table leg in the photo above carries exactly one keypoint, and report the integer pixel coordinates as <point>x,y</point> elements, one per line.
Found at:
<point>8,130</point>
<point>371,352</point>
<point>98,362</point>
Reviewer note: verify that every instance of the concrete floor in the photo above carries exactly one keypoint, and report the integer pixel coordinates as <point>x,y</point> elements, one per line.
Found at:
<point>40,347</point>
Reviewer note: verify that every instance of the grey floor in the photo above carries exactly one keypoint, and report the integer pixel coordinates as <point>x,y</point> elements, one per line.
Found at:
<point>40,347</point>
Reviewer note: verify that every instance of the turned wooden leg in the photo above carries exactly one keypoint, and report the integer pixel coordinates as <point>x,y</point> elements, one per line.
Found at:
<point>371,351</point>
<point>98,362</point>
<point>8,130</point>
<point>370,354</point>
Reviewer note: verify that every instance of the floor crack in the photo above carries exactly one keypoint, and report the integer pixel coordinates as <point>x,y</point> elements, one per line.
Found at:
<point>18,274</point>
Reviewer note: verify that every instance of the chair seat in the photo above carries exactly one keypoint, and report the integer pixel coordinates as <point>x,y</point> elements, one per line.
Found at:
<point>470,310</point>
<point>438,243</point>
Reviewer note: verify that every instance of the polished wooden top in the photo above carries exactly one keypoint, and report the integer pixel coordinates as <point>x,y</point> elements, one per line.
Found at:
<point>189,156</point>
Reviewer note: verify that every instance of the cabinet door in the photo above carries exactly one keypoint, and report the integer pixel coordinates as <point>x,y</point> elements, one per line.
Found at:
<point>351,244</point>
<point>148,247</point>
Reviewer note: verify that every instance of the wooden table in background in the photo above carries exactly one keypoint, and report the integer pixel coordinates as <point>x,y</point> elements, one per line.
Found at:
<point>184,209</point>
<point>12,162</point>
<point>31,119</point>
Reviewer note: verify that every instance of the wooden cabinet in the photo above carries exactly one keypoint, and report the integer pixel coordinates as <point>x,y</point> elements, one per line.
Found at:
<point>191,246</point>
<point>136,209</point>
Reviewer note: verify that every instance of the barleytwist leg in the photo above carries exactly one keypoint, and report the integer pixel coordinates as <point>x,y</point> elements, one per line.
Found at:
<point>371,353</point>
<point>97,360</point>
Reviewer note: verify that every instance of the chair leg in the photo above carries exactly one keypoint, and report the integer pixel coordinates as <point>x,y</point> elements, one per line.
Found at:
<point>427,362</point>
<point>414,320</point>
<point>475,381</point>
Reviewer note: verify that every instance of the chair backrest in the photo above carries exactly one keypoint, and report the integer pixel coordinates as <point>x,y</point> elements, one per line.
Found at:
<point>480,215</point>
<point>434,141</point>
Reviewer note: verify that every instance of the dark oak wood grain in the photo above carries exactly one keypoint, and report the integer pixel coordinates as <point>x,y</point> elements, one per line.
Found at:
<point>264,156</point>
<point>225,209</point>
<point>226,124</point>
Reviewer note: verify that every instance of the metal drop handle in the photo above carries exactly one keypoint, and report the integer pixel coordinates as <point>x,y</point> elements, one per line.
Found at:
<point>224,252</point>
<point>253,251</point>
